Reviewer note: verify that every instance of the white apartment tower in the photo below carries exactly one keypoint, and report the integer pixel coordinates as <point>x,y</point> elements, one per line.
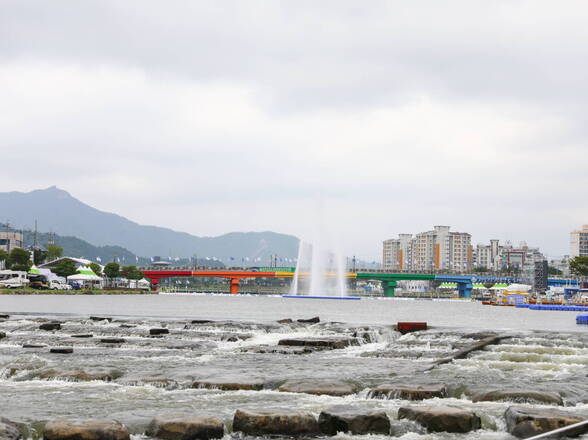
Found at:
<point>579,243</point>
<point>439,249</point>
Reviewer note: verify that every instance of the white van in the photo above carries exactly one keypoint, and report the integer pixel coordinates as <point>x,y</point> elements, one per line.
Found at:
<point>13,279</point>
<point>58,284</point>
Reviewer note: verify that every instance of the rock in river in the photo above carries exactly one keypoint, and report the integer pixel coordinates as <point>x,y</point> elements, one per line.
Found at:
<point>49,326</point>
<point>526,422</point>
<point>316,387</point>
<point>229,384</point>
<point>331,343</point>
<point>2,335</point>
<point>520,396</point>
<point>112,340</point>
<point>61,350</point>
<point>62,429</point>
<point>441,419</point>
<point>8,430</point>
<point>346,418</point>
<point>158,331</point>
<point>186,428</point>
<point>410,392</point>
<point>275,422</point>
<point>76,376</point>
<point>314,320</point>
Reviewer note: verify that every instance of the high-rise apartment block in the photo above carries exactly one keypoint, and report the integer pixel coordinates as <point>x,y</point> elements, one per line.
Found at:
<point>439,249</point>
<point>579,243</point>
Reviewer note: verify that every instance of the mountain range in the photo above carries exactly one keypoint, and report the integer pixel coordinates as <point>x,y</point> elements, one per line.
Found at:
<point>57,211</point>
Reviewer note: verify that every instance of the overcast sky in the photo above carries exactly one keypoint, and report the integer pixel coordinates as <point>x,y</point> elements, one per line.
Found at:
<point>219,116</point>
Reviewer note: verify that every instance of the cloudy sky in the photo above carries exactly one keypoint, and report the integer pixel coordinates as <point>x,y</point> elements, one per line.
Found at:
<point>393,116</point>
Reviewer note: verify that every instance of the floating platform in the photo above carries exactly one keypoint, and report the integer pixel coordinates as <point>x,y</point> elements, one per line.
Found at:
<point>322,297</point>
<point>582,319</point>
<point>558,308</point>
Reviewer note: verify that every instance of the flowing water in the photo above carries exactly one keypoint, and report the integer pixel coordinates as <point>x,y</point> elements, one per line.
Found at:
<point>148,375</point>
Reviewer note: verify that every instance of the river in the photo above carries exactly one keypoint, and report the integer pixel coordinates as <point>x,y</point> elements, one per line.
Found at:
<point>144,375</point>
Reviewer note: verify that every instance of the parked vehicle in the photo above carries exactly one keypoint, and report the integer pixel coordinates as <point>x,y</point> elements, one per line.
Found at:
<point>13,279</point>
<point>57,284</point>
<point>38,282</point>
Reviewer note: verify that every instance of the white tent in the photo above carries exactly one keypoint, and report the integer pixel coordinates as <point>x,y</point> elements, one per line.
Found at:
<point>86,276</point>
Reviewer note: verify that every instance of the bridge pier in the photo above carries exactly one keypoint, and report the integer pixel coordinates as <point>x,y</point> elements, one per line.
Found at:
<point>389,287</point>
<point>234,286</point>
<point>465,290</point>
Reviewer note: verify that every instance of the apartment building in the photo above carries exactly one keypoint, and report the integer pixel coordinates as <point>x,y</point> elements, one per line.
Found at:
<point>579,243</point>
<point>439,249</point>
<point>10,240</point>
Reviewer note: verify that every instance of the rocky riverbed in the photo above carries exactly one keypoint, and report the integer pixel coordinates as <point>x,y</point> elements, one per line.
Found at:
<point>103,377</point>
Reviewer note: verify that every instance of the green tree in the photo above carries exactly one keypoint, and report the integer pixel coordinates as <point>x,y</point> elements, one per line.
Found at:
<point>19,259</point>
<point>39,256</point>
<point>480,269</point>
<point>96,268</point>
<point>4,256</point>
<point>65,268</point>
<point>131,273</point>
<point>54,252</point>
<point>579,266</point>
<point>554,271</point>
<point>112,270</point>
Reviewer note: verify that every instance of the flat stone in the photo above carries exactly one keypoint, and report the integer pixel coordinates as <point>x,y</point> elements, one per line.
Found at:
<point>4,316</point>
<point>158,331</point>
<point>77,376</point>
<point>441,419</point>
<point>2,335</point>
<point>275,422</point>
<point>285,321</point>
<point>322,343</point>
<point>201,321</point>
<point>228,384</point>
<point>85,430</point>
<point>85,335</point>
<point>526,422</point>
<point>61,350</point>
<point>410,392</point>
<point>112,340</point>
<point>520,396</point>
<point>278,350</point>
<point>127,326</point>
<point>318,388</point>
<point>346,418</point>
<point>49,326</point>
<point>186,428</point>
<point>8,430</point>
<point>314,320</point>
<point>33,346</point>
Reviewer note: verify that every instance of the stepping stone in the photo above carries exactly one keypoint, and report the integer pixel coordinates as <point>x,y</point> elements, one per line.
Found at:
<point>186,428</point>
<point>9,430</point>
<point>100,318</point>
<point>33,346</point>
<point>112,340</point>
<point>85,430</point>
<point>408,392</point>
<point>229,385</point>
<point>61,350</point>
<point>264,422</point>
<point>441,419</point>
<point>49,326</point>
<point>2,335</point>
<point>526,422</point>
<point>520,396</point>
<point>285,321</point>
<point>4,316</point>
<point>314,320</point>
<point>323,343</point>
<point>158,331</point>
<point>317,388</point>
<point>83,336</point>
<point>357,421</point>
